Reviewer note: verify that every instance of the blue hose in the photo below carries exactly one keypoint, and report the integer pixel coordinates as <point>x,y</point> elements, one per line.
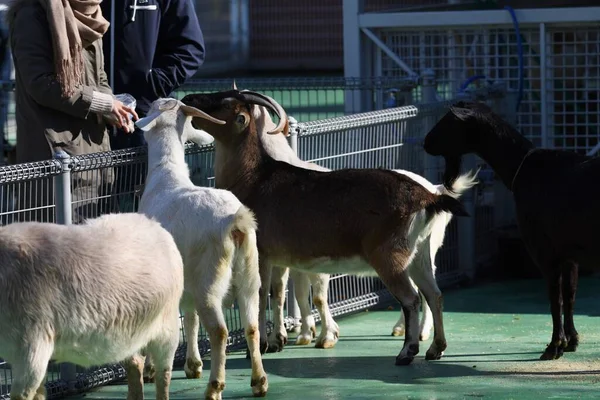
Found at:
<point>519,52</point>
<point>469,81</point>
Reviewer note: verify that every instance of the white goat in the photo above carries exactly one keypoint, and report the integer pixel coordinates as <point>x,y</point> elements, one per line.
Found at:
<point>277,147</point>
<point>89,294</point>
<point>216,235</point>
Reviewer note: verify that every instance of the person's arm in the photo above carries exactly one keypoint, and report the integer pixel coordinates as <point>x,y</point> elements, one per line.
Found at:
<point>180,50</point>
<point>33,55</point>
<point>103,85</point>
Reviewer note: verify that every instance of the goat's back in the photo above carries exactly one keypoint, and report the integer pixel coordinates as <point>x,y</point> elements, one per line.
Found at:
<point>194,215</point>
<point>556,196</point>
<point>331,213</point>
<point>91,285</point>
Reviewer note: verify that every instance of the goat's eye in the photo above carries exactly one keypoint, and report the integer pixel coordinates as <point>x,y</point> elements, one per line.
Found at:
<point>240,119</point>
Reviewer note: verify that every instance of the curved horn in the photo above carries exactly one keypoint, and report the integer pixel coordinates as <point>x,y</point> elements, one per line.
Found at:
<point>234,85</point>
<point>266,101</point>
<point>168,105</point>
<point>190,111</point>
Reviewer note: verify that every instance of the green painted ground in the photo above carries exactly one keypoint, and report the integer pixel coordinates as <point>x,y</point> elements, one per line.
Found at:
<point>495,332</point>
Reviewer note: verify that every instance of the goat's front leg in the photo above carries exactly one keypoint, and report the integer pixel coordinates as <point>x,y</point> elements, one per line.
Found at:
<point>330,330</point>
<point>134,366</point>
<point>278,338</point>
<point>558,343</point>
<point>308,329</point>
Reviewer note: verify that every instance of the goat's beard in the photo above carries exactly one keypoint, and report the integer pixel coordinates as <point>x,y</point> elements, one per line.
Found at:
<point>452,170</point>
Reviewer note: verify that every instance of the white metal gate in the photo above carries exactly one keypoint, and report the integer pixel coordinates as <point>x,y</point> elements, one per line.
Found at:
<point>549,57</point>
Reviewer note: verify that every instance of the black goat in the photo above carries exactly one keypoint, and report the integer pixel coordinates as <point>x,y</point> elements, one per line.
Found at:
<point>555,194</point>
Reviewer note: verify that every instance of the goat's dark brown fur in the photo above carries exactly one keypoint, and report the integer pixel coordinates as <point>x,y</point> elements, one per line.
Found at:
<point>304,215</point>
<point>556,198</point>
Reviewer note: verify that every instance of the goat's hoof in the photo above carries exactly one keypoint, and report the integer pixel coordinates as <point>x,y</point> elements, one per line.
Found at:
<point>327,341</point>
<point>404,360</point>
<point>424,336</point>
<point>433,354</point>
<point>552,353</point>
<point>303,339</point>
<point>408,353</point>
<point>274,348</point>
<point>277,344</point>
<point>149,373</point>
<point>214,390</point>
<point>260,386</point>
<point>193,369</point>
<point>436,350</point>
<point>264,346</point>
<point>398,331</point>
<point>572,344</point>
<point>571,347</point>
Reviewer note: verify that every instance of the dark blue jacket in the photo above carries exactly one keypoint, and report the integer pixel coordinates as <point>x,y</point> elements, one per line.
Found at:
<point>158,45</point>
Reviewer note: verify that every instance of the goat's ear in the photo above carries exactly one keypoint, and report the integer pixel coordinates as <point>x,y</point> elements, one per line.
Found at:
<point>200,137</point>
<point>148,122</point>
<point>460,112</point>
<point>190,111</point>
<point>286,128</point>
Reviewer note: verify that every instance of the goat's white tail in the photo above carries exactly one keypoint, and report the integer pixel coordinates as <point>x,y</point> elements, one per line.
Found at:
<point>460,185</point>
<point>446,204</point>
<point>246,253</point>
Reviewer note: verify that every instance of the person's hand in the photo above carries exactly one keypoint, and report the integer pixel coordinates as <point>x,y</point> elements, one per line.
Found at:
<point>119,116</point>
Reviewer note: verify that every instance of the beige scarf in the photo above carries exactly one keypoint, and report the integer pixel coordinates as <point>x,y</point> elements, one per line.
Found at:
<point>74,25</point>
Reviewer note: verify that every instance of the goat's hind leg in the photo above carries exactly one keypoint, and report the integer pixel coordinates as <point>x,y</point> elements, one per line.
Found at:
<point>248,300</point>
<point>193,360</point>
<point>555,349</point>
<point>209,294</point>
<point>426,321</point>
<point>265,270</point>
<point>423,275</point>
<point>570,275</point>
<point>278,337</point>
<point>390,263</point>
<point>162,351</point>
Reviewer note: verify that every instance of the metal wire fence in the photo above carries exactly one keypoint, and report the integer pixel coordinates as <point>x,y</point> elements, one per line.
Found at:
<point>76,188</point>
<point>308,98</point>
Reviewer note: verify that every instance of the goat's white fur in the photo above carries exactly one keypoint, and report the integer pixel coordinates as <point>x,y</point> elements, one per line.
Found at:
<point>277,147</point>
<point>207,225</point>
<point>89,294</point>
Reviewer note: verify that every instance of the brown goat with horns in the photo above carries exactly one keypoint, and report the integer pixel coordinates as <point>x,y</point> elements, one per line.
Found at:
<point>356,221</point>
